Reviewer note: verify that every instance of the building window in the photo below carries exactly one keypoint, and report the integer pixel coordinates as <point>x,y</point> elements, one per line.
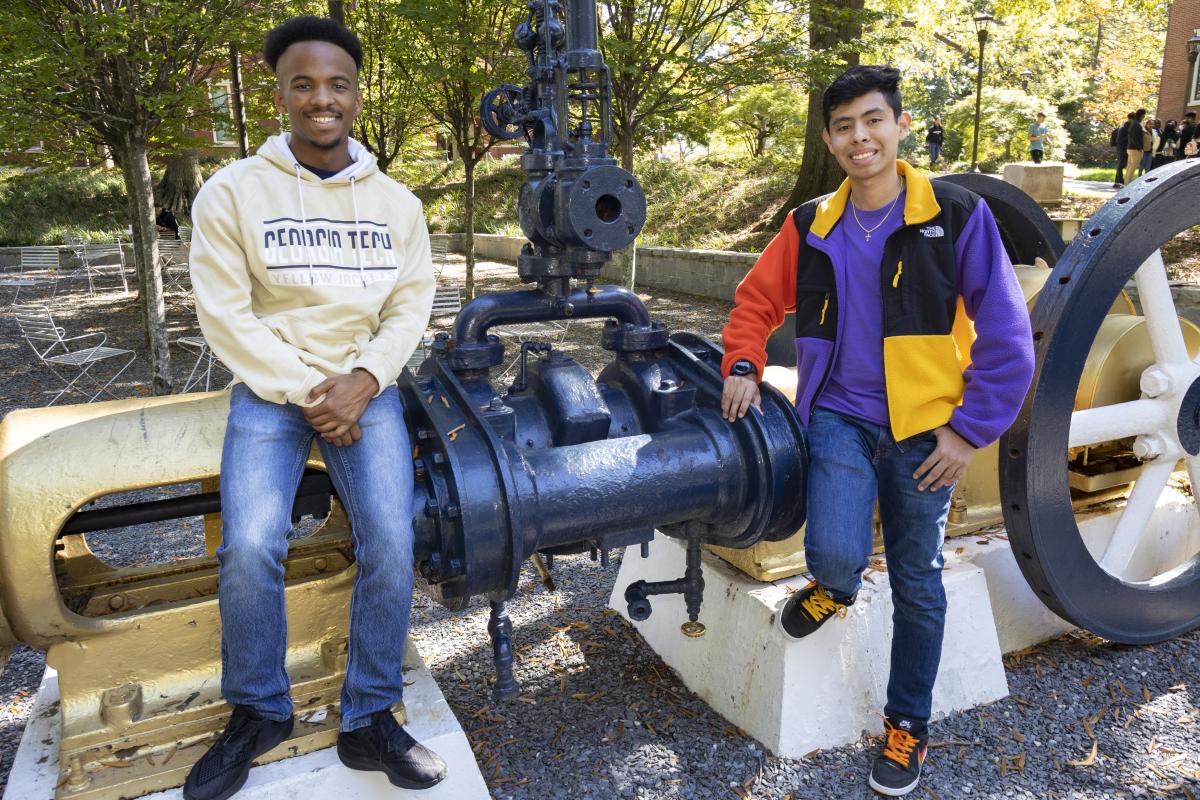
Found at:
<point>222,108</point>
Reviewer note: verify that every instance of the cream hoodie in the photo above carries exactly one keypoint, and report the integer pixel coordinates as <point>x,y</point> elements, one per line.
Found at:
<point>298,279</point>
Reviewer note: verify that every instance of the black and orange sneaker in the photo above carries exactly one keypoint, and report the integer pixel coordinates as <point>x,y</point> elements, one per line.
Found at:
<point>897,770</point>
<point>809,609</point>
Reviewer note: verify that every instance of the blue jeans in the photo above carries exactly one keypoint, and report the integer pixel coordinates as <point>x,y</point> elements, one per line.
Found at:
<point>266,445</point>
<point>851,462</point>
<point>934,151</point>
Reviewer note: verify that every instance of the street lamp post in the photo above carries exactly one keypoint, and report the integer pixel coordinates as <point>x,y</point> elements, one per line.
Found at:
<point>982,23</point>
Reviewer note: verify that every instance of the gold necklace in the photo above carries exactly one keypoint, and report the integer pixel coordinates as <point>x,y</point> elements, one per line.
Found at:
<point>865,229</point>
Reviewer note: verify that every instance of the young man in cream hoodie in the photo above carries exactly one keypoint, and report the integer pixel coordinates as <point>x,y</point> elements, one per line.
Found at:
<point>313,283</point>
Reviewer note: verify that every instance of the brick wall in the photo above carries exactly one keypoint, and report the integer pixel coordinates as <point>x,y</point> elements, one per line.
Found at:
<point>1176,69</point>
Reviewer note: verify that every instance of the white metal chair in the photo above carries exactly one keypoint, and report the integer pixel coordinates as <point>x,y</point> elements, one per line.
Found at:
<point>33,259</point>
<point>446,300</point>
<point>173,260</point>
<point>438,249</point>
<point>57,351</point>
<point>203,366</point>
<point>420,354</point>
<point>104,259</point>
<point>552,331</point>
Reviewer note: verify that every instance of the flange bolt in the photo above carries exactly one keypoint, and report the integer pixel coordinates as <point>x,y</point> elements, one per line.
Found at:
<point>1155,381</point>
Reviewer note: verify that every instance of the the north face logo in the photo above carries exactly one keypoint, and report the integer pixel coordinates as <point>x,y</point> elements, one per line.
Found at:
<point>933,231</point>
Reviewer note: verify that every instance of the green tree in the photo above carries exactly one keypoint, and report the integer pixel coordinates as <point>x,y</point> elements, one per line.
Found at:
<point>459,50</point>
<point>669,56</point>
<point>763,116</point>
<point>391,114</point>
<point>1004,120</point>
<point>119,68</point>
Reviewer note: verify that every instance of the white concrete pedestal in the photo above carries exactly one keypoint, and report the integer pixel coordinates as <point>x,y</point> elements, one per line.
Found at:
<point>826,689</point>
<point>821,691</point>
<point>320,774</point>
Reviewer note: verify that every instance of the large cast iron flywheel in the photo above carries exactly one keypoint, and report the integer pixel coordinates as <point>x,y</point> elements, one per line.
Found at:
<point>1131,587</point>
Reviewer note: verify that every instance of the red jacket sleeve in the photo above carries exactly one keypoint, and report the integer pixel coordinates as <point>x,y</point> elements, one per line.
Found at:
<point>761,300</point>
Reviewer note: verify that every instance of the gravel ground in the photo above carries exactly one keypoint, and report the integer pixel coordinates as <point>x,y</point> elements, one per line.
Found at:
<point>600,715</point>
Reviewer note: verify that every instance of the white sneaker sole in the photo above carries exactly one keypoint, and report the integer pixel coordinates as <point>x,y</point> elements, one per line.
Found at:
<point>893,791</point>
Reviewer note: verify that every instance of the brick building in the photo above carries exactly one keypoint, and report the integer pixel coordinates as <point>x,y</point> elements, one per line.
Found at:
<point>1179,85</point>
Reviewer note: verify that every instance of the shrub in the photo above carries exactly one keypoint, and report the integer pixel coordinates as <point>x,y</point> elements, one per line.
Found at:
<point>43,206</point>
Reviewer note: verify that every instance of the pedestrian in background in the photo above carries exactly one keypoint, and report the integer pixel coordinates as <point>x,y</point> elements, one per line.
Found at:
<point>1037,138</point>
<point>1186,134</point>
<point>1135,144</point>
<point>1152,128</point>
<point>1120,141</point>
<point>1168,144</point>
<point>933,141</point>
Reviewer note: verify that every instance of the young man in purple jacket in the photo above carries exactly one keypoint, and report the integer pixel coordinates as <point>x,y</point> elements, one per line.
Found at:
<point>913,349</point>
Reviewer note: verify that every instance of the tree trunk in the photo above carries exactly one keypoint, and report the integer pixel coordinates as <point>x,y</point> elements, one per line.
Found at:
<point>239,107</point>
<point>834,22</point>
<point>469,223</point>
<point>139,187</point>
<point>180,182</point>
<point>337,10</point>
<point>627,151</point>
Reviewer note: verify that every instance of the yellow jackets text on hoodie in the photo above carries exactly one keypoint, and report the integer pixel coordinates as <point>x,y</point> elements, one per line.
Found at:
<point>298,279</point>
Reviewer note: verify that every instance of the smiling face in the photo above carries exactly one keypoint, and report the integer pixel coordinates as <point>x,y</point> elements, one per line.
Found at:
<point>864,135</point>
<point>318,90</point>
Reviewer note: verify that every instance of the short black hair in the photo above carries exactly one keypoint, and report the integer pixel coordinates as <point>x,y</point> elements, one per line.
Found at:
<point>1041,113</point>
<point>310,29</point>
<point>1190,114</point>
<point>1131,116</point>
<point>859,80</point>
<point>1140,113</point>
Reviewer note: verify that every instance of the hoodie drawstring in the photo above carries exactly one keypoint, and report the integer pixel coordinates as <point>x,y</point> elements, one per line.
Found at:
<point>358,229</point>
<point>304,225</point>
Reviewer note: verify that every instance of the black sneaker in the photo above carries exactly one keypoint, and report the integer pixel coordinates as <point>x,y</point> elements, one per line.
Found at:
<point>224,768</point>
<point>809,609</point>
<point>897,770</point>
<point>386,747</point>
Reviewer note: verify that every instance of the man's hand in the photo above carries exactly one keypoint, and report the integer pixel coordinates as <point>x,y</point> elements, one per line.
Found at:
<point>346,397</point>
<point>948,461</point>
<point>738,394</point>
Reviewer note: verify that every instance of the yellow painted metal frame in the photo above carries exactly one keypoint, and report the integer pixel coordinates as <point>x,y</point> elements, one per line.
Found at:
<point>140,688</point>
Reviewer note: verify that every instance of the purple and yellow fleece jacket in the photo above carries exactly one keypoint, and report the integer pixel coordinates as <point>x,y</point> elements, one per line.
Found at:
<point>957,345</point>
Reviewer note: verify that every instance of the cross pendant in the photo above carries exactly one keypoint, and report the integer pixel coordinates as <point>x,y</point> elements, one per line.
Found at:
<point>868,237</point>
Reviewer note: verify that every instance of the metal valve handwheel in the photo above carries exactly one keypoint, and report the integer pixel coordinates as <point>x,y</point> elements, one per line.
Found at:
<point>502,110</point>
<point>1141,585</point>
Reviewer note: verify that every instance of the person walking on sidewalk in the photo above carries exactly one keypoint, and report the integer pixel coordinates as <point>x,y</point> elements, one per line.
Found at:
<point>313,283</point>
<point>886,276</point>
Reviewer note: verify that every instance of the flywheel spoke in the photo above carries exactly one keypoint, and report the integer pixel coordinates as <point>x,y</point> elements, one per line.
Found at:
<point>1162,321</point>
<point>1118,421</point>
<point>1142,502</point>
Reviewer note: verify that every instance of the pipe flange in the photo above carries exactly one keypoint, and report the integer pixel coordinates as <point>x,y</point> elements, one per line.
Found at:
<point>629,338</point>
<point>461,356</point>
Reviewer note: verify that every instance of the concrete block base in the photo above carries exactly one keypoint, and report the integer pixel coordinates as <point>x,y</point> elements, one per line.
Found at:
<point>826,689</point>
<point>320,774</point>
<point>1042,182</point>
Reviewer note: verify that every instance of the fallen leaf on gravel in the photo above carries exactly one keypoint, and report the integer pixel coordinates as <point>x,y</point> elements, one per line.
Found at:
<point>1090,760</point>
<point>1146,694</point>
<point>927,791</point>
<point>1016,735</point>
<point>1086,682</point>
<point>1012,764</point>
<point>1153,743</point>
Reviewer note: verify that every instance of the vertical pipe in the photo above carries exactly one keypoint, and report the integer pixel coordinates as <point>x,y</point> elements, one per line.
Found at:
<point>581,25</point>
